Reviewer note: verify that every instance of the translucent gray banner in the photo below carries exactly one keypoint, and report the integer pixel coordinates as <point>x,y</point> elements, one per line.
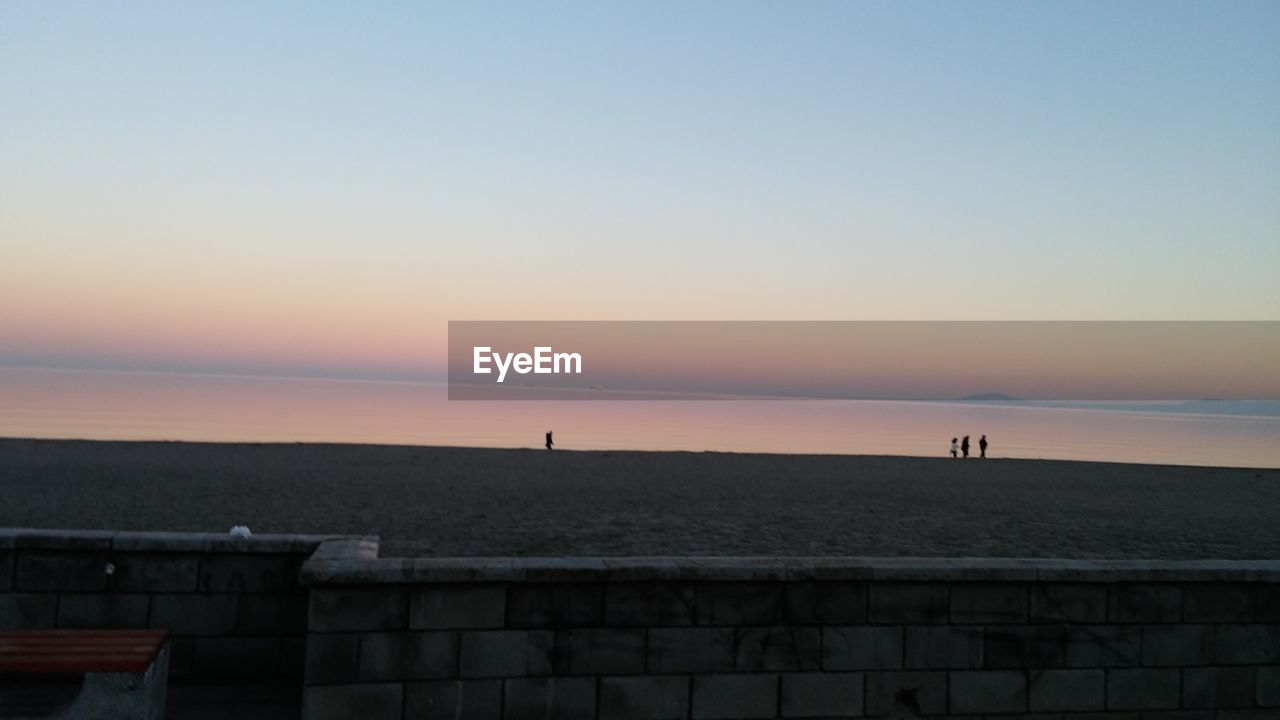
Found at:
<point>982,361</point>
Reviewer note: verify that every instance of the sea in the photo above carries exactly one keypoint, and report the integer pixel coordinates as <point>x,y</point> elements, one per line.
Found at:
<point>109,405</point>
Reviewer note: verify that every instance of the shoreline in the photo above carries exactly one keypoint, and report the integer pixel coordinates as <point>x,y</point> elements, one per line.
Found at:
<point>609,451</point>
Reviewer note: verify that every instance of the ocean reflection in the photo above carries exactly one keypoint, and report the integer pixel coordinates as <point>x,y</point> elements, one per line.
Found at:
<point>159,406</point>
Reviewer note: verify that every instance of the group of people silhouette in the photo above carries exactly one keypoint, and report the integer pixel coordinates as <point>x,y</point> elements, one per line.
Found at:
<point>963,446</point>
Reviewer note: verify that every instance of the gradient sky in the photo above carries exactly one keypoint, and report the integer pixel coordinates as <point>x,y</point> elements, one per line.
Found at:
<point>316,188</point>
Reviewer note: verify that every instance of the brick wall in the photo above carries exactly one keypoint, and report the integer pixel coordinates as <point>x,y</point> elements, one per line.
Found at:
<point>671,638</point>
<point>235,607</point>
<point>732,638</point>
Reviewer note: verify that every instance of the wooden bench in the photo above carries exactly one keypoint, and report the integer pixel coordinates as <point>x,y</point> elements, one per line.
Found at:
<point>84,674</point>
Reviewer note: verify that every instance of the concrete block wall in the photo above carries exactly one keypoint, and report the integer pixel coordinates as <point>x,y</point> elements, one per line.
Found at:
<point>234,607</point>
<point>792,638</point>
<point>671,638</point>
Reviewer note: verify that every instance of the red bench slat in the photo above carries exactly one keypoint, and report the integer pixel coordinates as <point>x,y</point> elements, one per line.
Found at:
<point>79,651</point>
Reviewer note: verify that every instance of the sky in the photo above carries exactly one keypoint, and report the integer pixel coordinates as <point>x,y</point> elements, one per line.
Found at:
<point>317,188</point>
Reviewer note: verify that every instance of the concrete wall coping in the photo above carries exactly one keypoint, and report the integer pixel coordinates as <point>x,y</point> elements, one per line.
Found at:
<point>129,541</point>
<point>334,569</point>
<point>353,560</point>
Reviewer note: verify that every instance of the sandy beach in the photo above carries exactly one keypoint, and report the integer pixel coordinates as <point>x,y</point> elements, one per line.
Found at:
<point>443,501</point>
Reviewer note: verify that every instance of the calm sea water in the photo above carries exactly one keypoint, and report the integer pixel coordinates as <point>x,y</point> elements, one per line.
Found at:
<point>142,406</point>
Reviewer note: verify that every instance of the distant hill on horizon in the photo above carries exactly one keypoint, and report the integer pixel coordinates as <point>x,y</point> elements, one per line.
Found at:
<point>990,396</point>
<point>1239,408</point>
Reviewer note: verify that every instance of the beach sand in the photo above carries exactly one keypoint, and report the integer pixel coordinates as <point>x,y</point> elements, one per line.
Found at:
<point>437,501</point>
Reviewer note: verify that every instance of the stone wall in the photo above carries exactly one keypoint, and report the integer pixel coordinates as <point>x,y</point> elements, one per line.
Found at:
<point>768,638</point>
<point>671,638</point>
<point>235,607</point>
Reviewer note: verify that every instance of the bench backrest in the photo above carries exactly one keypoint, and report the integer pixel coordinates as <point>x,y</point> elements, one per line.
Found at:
<point>79,651</point>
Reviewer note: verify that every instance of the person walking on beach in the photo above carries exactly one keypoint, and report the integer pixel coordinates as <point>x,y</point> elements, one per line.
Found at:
<point>549,442</point>
<point>964,446</point>
<point>955,447</point>
<point>982,447</point>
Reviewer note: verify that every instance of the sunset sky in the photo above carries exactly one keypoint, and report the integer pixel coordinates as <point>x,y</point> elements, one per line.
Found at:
<point>317,188</point>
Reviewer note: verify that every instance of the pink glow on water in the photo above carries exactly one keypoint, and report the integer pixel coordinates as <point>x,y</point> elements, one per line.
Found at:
<point>138,406</point>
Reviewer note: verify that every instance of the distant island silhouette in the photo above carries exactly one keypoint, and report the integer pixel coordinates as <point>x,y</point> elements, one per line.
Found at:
<point>980,397</point>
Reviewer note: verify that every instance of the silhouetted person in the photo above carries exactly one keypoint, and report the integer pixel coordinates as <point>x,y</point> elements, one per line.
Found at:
<point>964,446</point>
<point>955,446</point>
<point>982,446</point>
<point>549,442</point>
